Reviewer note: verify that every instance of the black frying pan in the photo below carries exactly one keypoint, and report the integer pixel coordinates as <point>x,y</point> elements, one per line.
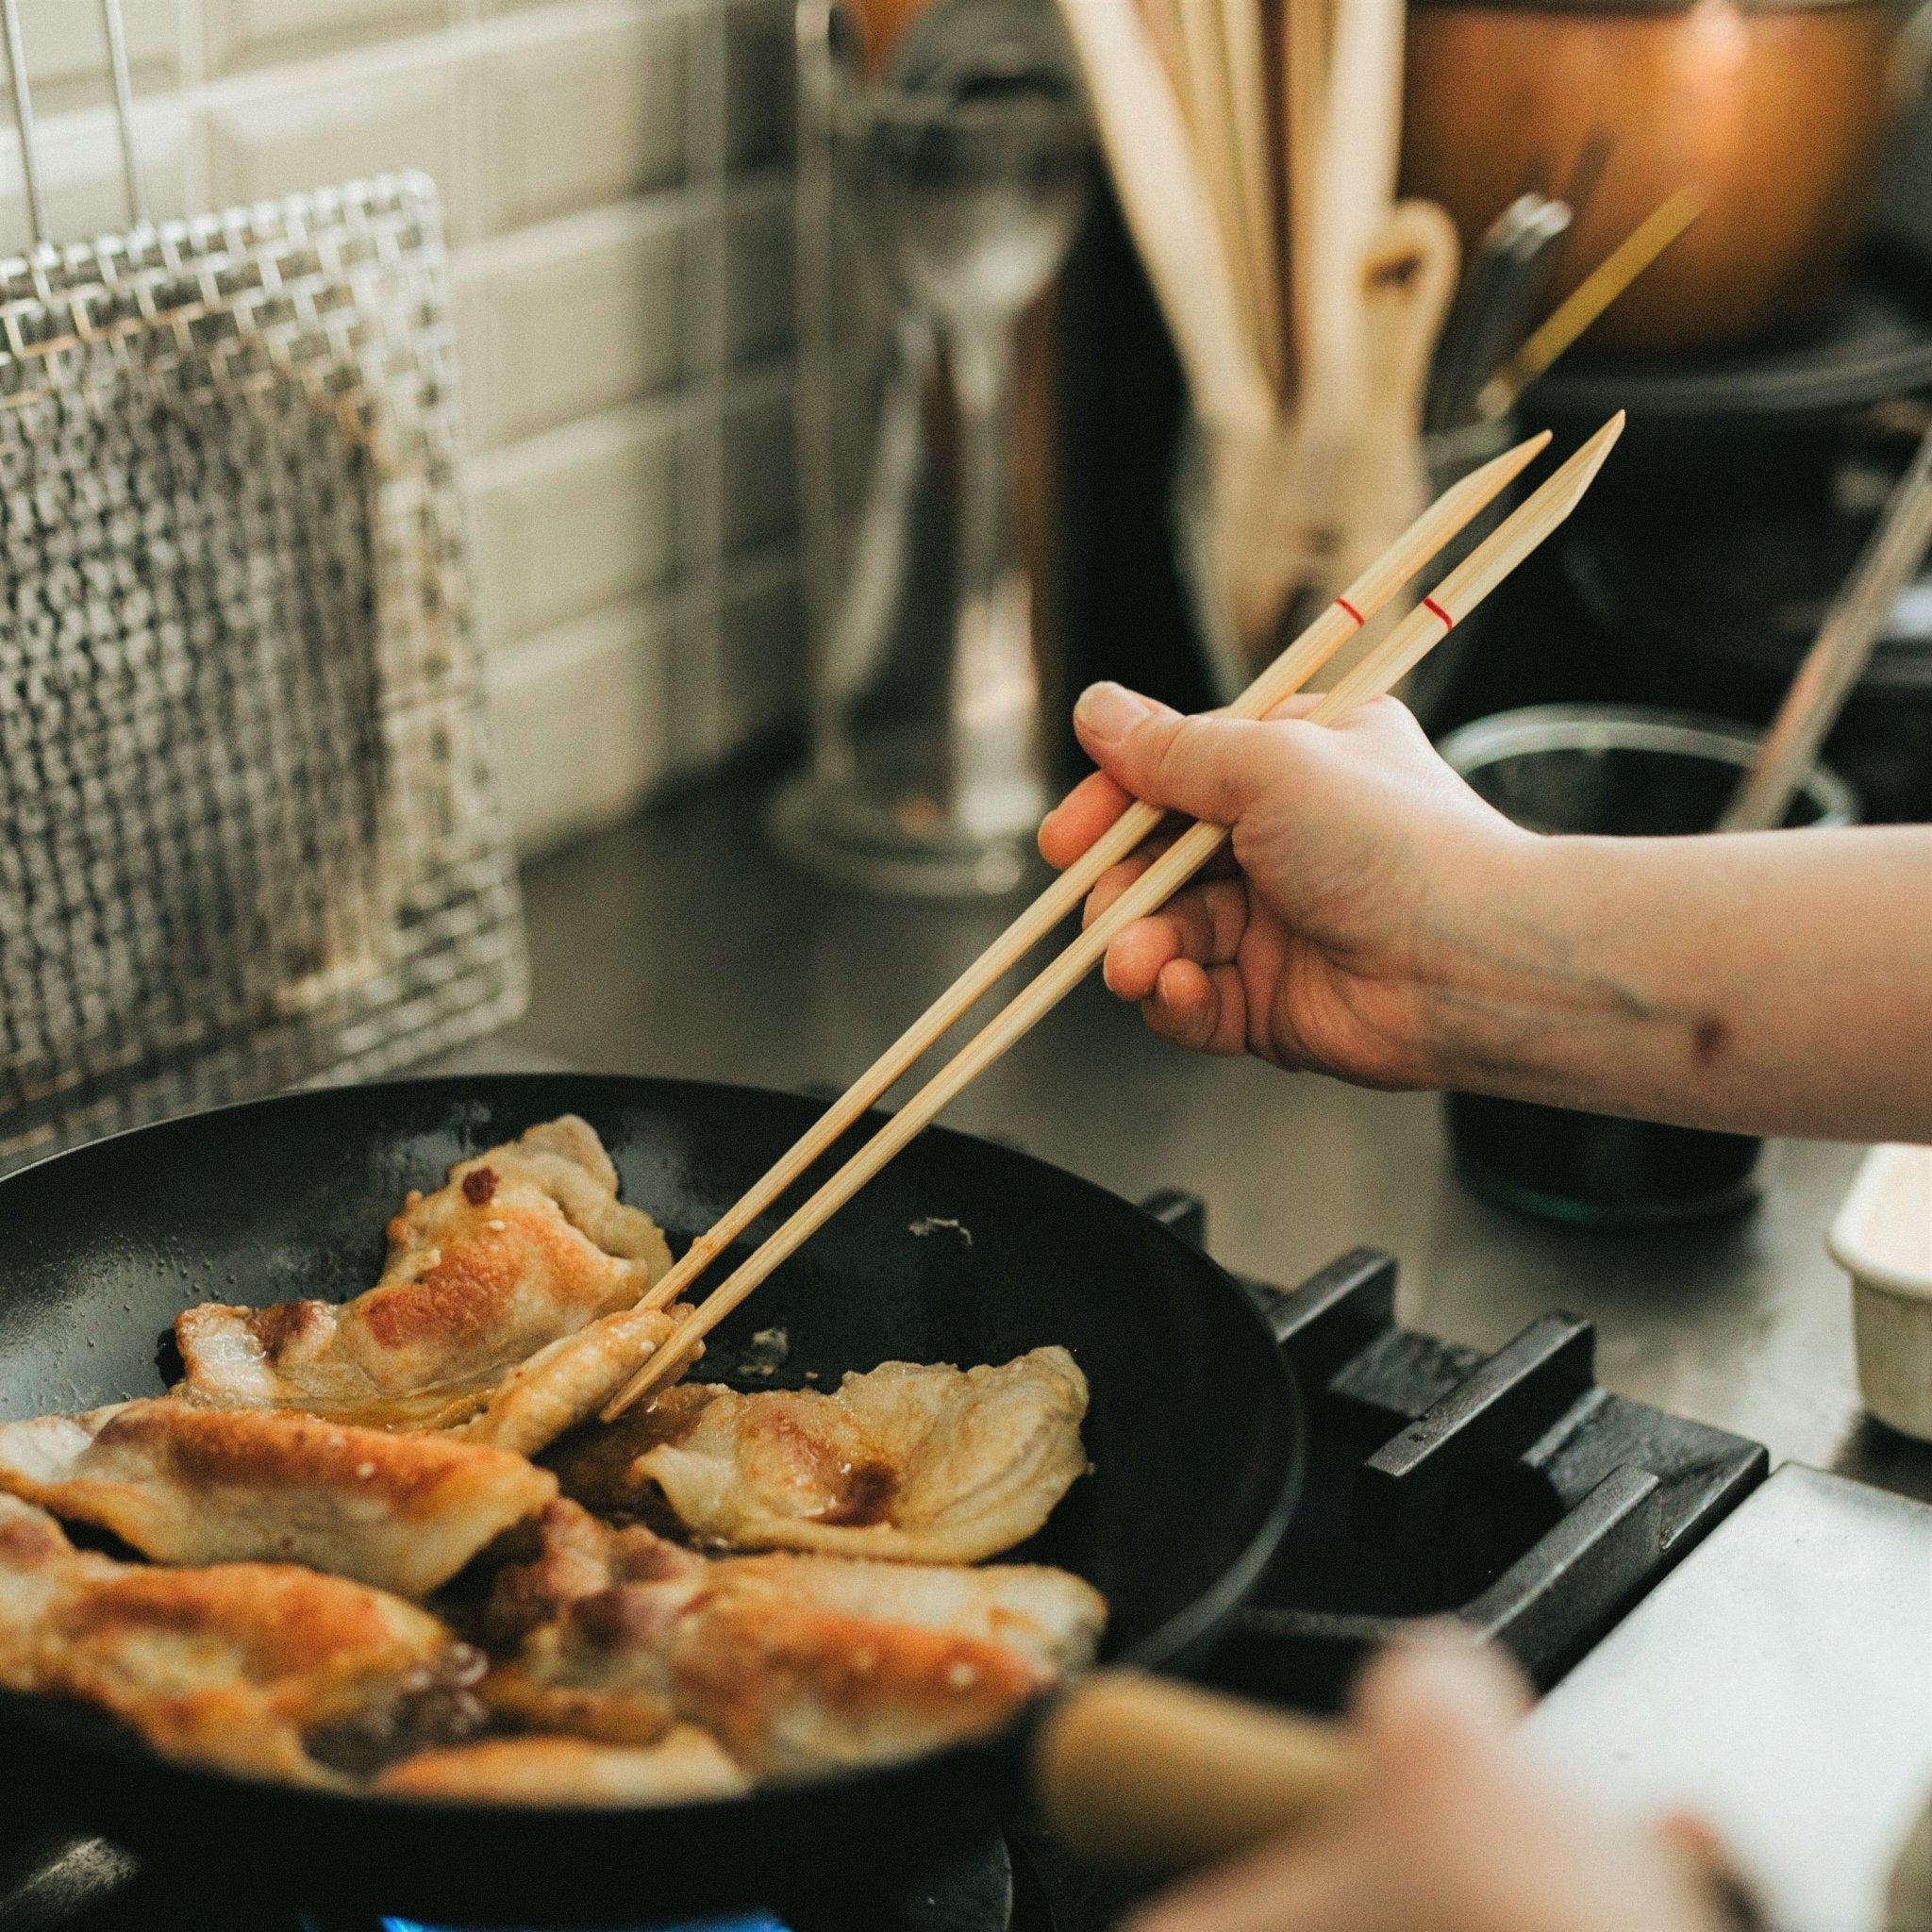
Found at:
<point>961,1251</point>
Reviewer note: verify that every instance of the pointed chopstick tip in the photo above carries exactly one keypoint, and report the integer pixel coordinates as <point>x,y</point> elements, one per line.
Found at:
<point>1454,511</point>
<point>1491,478</point>
<point>1512,463</point>
<point>1567,485</point>
<point>1526,527</point>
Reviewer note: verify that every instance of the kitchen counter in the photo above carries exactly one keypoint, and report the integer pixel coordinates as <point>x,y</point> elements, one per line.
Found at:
<point>678,944</point>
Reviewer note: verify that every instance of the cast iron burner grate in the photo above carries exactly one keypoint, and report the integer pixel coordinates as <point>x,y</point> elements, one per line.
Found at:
<point>1507,1491</point>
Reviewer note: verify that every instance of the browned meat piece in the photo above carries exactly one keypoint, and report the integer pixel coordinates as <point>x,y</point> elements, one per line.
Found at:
<point>188,1485</point>
<point>683,1765</point>
<point>907,1462</point>
<point>525,1245</point>
<point>261,1668</point>
<point>541,1398</point>
<point>577,1557</point>
<point>795,1663</point>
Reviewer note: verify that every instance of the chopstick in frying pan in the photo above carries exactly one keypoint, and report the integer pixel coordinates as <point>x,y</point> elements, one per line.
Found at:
<point>1430,531</point>
<point>1459,594</point>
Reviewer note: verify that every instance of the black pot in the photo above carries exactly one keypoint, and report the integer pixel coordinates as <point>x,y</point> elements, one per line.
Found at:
<point>1711,568</point>
<point>1607,769</point>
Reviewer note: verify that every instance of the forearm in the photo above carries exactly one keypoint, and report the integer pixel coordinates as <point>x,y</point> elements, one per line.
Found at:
<point>1763,983</point>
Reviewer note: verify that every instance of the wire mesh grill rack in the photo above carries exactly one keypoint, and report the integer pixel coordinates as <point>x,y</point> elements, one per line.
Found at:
<point>249,834</point>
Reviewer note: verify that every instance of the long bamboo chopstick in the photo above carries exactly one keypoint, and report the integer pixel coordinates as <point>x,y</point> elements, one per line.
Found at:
<point>1451,512</point>
<point>1459,594</point>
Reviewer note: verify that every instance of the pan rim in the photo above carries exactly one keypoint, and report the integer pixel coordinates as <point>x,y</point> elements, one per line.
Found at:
<point>1168,1645</point>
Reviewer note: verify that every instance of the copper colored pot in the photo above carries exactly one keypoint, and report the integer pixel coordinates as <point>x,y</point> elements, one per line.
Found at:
<point>1774,113</point>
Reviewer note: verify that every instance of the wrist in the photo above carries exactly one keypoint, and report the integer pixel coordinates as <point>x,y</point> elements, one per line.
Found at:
<point>1500,986</point>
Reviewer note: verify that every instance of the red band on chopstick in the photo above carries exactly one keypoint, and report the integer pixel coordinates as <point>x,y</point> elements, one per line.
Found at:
<point>1448,622</point>
<point>1352,610</point>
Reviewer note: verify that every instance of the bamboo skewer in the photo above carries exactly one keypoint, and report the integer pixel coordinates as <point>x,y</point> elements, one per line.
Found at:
<point>1458,595</point>
<point>1451,512</point>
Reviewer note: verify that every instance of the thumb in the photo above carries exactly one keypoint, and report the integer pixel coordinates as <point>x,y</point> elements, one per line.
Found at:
<point>1208,767</point>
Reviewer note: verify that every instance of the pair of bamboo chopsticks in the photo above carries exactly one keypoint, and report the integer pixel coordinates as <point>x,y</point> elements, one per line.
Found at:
<point>1453,599</point>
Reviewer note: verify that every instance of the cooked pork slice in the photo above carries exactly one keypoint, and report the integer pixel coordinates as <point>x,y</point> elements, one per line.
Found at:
<point>682,1765</point>
<point>907,1462</point>
<point>561,1384</point>
<point>795,1663</point>
<point>248,1667</point>
<point>188,1485</point>
<point>577,1557</point>
<point>527,1243</point>
<point>790,1689</point>
<point>1048,1617</point>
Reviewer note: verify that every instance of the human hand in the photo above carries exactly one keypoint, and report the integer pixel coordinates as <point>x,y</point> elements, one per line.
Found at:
<point>1346,917</point>
<point>1452,1827</point>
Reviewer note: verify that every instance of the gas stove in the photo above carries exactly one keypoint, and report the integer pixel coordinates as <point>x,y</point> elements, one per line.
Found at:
<point>1015,1882</point>
<point>1507,1489</point>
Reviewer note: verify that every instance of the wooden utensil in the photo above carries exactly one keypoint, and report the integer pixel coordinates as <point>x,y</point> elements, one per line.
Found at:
<point>1362,118</point>
<point>1307,506</point>
<point>1135,1773</point>
<point>1458,595</point>
<point>1451,512</point>
<point>1836,661</point>
<point>1304,82</point>
<point>1170,209</point>
<point>1408,278</point>
<point>1210,113</point>
<point>1288,506</point>
<point>1247,93</point>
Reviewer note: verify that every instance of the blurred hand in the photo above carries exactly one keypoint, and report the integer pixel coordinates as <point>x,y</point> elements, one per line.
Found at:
<point>1453,1828</point>
<point>1361,870</point>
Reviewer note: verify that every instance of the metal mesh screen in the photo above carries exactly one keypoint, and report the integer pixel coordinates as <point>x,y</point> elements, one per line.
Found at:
<point>248,829</point>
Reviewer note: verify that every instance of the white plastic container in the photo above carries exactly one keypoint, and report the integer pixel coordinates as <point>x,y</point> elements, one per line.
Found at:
<point>1883,1238</point>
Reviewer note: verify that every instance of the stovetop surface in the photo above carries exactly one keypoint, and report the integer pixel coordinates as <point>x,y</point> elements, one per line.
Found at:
<point>1508,1489</point>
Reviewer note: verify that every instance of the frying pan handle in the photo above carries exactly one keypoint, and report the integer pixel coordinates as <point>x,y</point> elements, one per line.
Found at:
<point>1141,1773</point>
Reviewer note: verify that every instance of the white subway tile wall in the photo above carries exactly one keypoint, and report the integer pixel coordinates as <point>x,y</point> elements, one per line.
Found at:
<point>617,180</point>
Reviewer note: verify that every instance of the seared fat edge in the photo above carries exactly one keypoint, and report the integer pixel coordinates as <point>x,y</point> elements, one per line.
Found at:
<point>190,1485</point>
<point>244,1667</point>
<point>523,1246</point>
